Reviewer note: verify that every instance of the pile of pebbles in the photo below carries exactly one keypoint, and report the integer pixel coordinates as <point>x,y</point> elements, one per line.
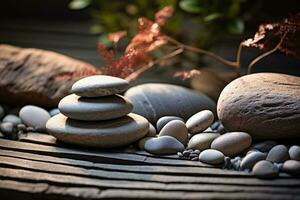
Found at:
<point>202,139</point>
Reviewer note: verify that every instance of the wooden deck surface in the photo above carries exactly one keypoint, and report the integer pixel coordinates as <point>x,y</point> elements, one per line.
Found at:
<point>37,167</point>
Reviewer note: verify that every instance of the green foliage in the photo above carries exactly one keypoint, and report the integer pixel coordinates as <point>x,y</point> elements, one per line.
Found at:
<point>79,4</point>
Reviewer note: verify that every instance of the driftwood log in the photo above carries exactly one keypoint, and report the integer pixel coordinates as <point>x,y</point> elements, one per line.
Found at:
<point>39,77</point>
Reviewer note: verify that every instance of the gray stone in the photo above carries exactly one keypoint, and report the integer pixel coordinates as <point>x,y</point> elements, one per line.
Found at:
<point>103,134</point>
<point>141,143</point>
<point>99,85</point>
<point>264,146</point>
<point>232,143</point>
<point>12,118</point>
<point>155,100</point>
<point>34,116</point>
<point>152,131</point>
<point>161,122</point>
<point>291,167</point>
<point>200,121</point>
<point>265,105</point>
<point>294,152</point>
<point>265,169</point>
<point>176,129</point>
<point>251,159</point>
<point>96,108</point>
<point>22,127</point>
<point>9,130</point>
<point>202,141</point>
<point>278,154</point>
<point>163,145</point>
<point>211,156</point>
<point>54,111</point>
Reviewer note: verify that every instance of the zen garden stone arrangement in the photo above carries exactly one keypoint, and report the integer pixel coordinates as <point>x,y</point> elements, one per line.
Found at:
<point>165,119</point>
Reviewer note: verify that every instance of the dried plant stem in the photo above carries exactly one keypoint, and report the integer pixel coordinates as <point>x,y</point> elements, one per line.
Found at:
<point>133,75</point>
<point>202,51</point>
<point>238,59</point>
<point>257,59</point>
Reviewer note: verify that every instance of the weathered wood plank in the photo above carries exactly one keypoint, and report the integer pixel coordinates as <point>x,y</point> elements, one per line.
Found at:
<point>92,155</point>
<point>25,190</point>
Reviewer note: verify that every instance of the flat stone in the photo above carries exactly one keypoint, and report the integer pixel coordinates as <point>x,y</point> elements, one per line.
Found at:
<point>176,129</point>
<point>264,146</point>
<point>294,152</point>
<point>34,116</point>
<point>211,156</point>
<point>103,134</point>
<point>152,131</point>
<point>202,141</point>
<point>265,105</point>
<point>99,85</point>
<point>155,100</point>
<point>278,154</point>
<point>164,145</point>
<point>291,167</point>
<point>12,118</point>
<point>251,159</point>
<point>232,143</point>
<point>96,108</point>
<point>265,169</point>
<point>161,122</point>
<point>141,142</point>
<point>200,121</point>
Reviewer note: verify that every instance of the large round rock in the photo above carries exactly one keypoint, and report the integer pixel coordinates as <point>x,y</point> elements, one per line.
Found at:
<point>155,100</point>
<point>96,108</point>
<point>103,134</point>
<point>266,105</point>
<point>99,85</point>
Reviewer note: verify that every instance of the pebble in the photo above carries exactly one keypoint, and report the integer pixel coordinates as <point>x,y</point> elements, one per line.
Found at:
<point>99,85</point>
<point>97,108</point>
<point>202,141</point>
<point>251,159</point>
<point>227,163</point>
<point>22,127</point>
<point>141,143</point>
<point>265,169</point>
<point>264,146</point>
<point>9,130</point>
<point>232,143</point>
<point>155,100</point>
<point>12,118</point>
<point>176,129</point>
<point>34,116</point>
<point>200,121</point>
<point>291,167</point>
<point>211,156</point>
<point>278,154</point>
<point>258,104</point>
<point>164,145</point>
<point>152,131</point>
<point>54,111</point>
<point>103,134</point>
<point>164,120</point>
<point>186,153</point>
<point>294,152</point>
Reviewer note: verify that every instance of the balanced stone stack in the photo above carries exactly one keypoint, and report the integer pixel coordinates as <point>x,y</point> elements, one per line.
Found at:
<point>96,115</point>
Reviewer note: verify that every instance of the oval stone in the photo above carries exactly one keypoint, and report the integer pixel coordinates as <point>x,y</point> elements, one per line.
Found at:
<point>202,141</point>
<point>161,122</point>
<point>141,142</point>
<point>164,145</point>
<point>155,100</point>
<point>251,159</point>
<point>99,85</point>
<point>211,156</point>
<point>34,116</point>
<point>291,167</point>
<point>265,169</point>
<point>96,108</point>
<point>103,134</point>
<point>200,121</point>
<point>265,105</point>
<point>232,143</point>
<point>176,129</point>
<point>12,119</point>
<point>278,154</point>
<point>294,152</point>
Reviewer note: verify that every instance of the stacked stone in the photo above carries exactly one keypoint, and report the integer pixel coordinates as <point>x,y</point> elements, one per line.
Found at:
<point>96,115</point>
